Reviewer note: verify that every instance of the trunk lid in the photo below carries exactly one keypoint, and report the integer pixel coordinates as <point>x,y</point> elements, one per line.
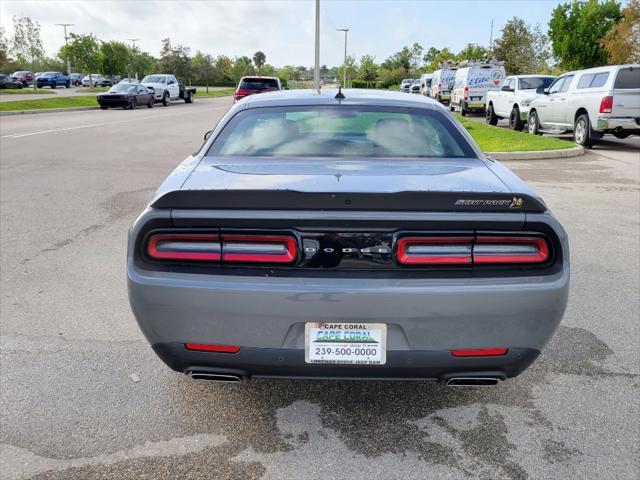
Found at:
<point>403,185</point>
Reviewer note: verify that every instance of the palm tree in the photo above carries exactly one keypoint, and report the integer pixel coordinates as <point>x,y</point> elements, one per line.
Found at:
<point>259,58</point>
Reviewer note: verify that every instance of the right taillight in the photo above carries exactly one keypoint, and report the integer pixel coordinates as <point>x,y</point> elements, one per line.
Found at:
<point>470,250</point>
<point>606,105</point>
<point>500,250</point>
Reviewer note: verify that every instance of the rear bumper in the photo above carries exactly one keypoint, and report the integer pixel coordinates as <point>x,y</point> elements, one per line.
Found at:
<point>289,363</point>
<point>114,103</point>
<point>605,124</point>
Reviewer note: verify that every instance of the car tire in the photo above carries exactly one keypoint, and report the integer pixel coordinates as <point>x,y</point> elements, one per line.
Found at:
<point>166,99</point>
<point>515,122</point>
<point>451,108</point>
<point>54,85</point>
<point>134,103</point>
<point>151,102</point>
<point>102,107</point>
<point>463,112</point>
<point>491,118</point>
<point>188,98</point>
<point>534,124</point>
<point>67,85</point>
<point>582,131</point>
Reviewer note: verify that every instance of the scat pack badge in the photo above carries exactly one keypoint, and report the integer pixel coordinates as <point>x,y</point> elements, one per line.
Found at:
<point>515,202</point>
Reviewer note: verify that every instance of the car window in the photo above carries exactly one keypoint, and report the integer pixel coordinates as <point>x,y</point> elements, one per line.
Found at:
<point>259,84</point>
<point>557,85</point>
<point>585,80</point>
<point>628,78</point>
<point>533,83</point>
<point>567,83</point>
<point>328,131</point>
<point>600,79</point>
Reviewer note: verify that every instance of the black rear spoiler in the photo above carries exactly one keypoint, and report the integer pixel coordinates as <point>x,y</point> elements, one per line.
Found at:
<point>400,201</point>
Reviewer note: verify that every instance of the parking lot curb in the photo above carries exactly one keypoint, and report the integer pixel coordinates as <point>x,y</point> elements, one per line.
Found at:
<point>537,154</point>
<point>47,110</point>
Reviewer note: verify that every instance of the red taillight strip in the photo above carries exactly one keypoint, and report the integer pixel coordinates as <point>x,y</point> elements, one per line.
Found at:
<point>483,255</point>
<point>200,347</point>
<point>204,246</point>
<point>233,244</point>
<point>431,255</point>
<point>480,352</point>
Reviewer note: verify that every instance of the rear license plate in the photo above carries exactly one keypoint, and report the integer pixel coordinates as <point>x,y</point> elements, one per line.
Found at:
<point>346,343</point>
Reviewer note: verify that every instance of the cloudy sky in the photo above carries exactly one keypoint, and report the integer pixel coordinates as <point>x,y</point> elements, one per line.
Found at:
<point>281,29</point>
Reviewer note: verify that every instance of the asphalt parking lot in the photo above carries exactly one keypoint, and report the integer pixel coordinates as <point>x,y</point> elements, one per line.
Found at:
<point>83,396</point>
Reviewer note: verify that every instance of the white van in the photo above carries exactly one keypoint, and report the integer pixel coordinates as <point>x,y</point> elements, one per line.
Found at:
<point>425,83</point>
<point>472,84</point>
<point>442,84</point>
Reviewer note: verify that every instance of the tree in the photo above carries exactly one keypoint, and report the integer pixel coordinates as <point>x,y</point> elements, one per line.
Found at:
<point>523,49</point>
<point>115,57</point>
<point>622,42</point>
<point>240,67</point>
<point>368,70</point>
<point>444,55</point>
<point>351,66</point>
<point>174,60</point>
<point>577,30</point>
<point>472,52</point>
<point>259,59</point>
<point>430,56</point>
<point>26,45</point>
<point>202,67</point>
<point>5,59</point>
<point>267,70</point>
<point>85,52</point>
<point>142,63</point>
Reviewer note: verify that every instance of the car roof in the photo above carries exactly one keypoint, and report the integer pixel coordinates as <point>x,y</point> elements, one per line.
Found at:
<point>327,97</point>
<point>533,76</point>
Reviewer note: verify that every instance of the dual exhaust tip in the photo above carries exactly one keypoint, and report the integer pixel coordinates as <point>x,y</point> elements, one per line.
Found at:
<point>451,382</point>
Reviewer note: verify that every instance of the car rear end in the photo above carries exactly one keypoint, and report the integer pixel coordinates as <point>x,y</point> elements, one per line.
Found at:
<point>480,81</point>
<point>306,267</point>
<point>445,84</point>
<point>114,100</point>
<point>252,85</point>
<point>619,106</point>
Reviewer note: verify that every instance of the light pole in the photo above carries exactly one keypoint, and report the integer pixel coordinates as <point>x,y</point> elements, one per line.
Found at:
<point>133,50</point>
<point>345,30</point>
<point>66,43</point>
<point>316,70</point>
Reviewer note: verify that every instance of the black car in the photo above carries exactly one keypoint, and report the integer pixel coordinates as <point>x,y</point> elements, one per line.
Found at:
<point>7,82</point>
<point>125,95</point>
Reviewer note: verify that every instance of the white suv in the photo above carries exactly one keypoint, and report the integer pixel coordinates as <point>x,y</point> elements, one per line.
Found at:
<point>590,103</point>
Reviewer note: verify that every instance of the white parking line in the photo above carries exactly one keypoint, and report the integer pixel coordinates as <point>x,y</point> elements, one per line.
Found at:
<point>92,125</point>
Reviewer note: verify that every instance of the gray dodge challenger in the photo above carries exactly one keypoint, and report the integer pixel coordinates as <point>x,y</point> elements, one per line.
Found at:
<point>349,234</point>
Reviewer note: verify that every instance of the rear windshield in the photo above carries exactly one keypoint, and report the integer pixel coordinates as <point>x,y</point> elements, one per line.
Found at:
<point>341,131</point>
<point>532,83</point>
<point>258,83</point>
<point>628,78</point>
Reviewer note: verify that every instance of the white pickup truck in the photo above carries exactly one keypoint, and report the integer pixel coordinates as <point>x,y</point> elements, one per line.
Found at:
<point>590,103</point>
<point>513,98</point>
<point>167,87</point>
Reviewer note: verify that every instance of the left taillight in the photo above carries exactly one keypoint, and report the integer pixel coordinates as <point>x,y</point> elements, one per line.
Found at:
<point>185,246</point>
<point>222,248</point>
<point>606,104</point>
<point>472,250</point>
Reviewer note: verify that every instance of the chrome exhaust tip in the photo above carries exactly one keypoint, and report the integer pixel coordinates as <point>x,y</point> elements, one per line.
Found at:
<point>472,381</point>
<point>215,377</point>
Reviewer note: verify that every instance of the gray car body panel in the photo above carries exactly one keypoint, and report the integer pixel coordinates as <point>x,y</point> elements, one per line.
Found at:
<point>270,312</point>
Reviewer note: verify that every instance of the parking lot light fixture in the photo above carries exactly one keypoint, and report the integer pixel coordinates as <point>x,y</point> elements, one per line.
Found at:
<point>345,30</point>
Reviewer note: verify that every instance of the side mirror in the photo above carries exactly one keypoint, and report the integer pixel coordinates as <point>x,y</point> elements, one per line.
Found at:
<point>545,91</point>
<point>207,135</point>
<point>507,88</point>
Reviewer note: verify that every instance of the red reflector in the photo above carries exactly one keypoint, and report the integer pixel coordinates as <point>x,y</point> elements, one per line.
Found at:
<point>480,352</point>
<point>606,105</point>
<point>185,246</point>
<point>510,250</point>
<point>466,92</point>
<point>212,348</point>
<point>434,250</point>
<point>259,248</point>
